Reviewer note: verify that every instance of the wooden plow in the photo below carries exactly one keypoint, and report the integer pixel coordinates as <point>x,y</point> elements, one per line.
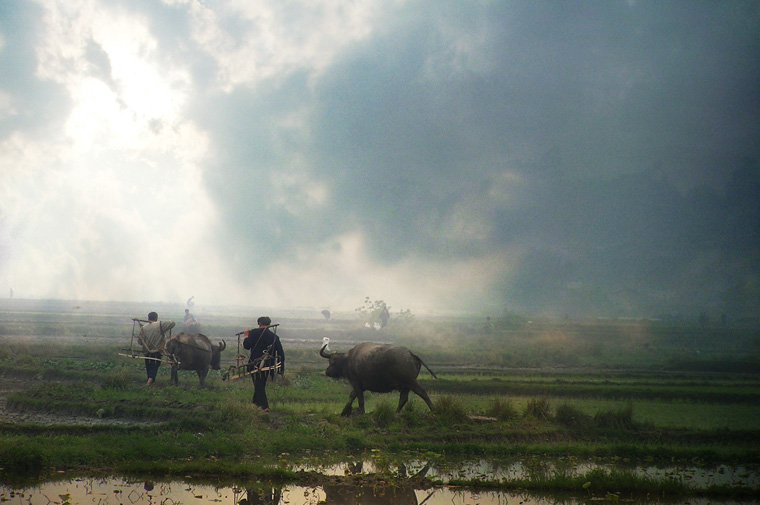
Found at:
<point>138,352</point>
<point>242,368</point>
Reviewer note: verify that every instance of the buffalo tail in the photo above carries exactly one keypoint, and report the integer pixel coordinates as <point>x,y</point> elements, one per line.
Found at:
<point>427,367</point>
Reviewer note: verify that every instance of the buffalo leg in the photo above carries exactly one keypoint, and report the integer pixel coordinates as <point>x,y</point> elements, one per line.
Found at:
<point>402,399</point>
<point>422,394</point>
<point>360,396</point>
<point>174,379</point>
<point>202,375</point>
<point>347,408</point>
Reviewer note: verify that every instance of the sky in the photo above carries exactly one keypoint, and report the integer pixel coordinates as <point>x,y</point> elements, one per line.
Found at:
<point>584,158</point>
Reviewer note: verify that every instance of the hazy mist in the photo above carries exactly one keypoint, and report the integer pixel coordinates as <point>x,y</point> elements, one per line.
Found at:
<point>582,158</point>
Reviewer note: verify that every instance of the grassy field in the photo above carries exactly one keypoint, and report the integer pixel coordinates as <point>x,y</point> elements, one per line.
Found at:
<point>638,391</point>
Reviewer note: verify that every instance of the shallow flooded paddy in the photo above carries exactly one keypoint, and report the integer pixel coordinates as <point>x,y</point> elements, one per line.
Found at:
<point>536,468</point>
<point>116,491</point>
<point>375,482</point>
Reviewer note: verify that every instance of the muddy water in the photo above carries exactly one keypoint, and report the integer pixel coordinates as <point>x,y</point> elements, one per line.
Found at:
<point>116,491</point>
<point>510,470</point>
<point>337,487</point>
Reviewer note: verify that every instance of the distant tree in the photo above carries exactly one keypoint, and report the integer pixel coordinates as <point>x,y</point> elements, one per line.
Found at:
<point>370,310</point>
<point>405,316</point>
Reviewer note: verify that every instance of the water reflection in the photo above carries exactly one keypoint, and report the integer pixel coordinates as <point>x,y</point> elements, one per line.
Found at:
<point>261,496</point>
<point>538,468</point>
<point>116,491</point>
<point>369,495</point>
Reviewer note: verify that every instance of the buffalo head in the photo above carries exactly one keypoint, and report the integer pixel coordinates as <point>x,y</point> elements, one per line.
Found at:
<point>172,346</point>
<point>216,355</point>
<point>337,368</point>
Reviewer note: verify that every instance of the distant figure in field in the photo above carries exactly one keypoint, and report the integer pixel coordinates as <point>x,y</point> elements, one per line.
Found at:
<point>384,316</point>
<point>190,302</point>
<point>327,314</point>
<point>192,326</point>
<point>152,338</point>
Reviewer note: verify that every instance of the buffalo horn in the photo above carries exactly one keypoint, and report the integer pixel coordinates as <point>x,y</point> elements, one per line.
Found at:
<point>222,346</point>
<point>323,353</point>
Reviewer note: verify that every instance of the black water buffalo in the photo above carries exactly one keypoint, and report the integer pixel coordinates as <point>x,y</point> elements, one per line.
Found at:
<point>193,352</point>
<point>401,492</point>
<point>379,368</point>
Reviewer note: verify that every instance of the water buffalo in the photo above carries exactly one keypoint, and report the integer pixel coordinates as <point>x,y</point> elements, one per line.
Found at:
<point>402,491</point>
<point>193,352</point>
<point>379,368</point>
<point>368,495</point>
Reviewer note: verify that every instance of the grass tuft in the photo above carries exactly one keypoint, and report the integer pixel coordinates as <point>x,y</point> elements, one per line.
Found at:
<point>384,414</point>
<point>412,415</point>
<point>571,417</point>
<point>621,419</point>
<point>118,380</point>
<point>538,408</point>
<point>501,409</point>
<point>355,442</point>
<point>26,461</point>
<point>450,410</point>
<point>232,410</point>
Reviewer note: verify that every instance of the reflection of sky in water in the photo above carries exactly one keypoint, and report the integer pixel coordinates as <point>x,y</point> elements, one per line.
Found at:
<point>107,491</point>
<point>722,475</point>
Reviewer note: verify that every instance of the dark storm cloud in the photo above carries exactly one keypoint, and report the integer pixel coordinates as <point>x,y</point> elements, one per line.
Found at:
<point>252,147</point>
<point>637,234</point>
<point>626,123</point>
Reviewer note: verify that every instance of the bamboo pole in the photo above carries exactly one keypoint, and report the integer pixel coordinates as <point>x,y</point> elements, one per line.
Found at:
<point>137,356</point>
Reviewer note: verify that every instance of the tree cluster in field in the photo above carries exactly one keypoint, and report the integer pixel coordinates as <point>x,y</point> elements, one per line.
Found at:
<point>370,312</point>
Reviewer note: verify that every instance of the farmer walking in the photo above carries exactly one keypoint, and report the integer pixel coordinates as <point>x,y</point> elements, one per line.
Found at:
<point>266,353</point>
<point>152,338</point>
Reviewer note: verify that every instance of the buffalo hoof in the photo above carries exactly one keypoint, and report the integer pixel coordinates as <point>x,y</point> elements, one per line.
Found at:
<point>352,412</point>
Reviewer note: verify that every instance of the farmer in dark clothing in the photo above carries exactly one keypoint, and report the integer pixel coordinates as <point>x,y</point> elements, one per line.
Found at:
<point>266,352</point>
